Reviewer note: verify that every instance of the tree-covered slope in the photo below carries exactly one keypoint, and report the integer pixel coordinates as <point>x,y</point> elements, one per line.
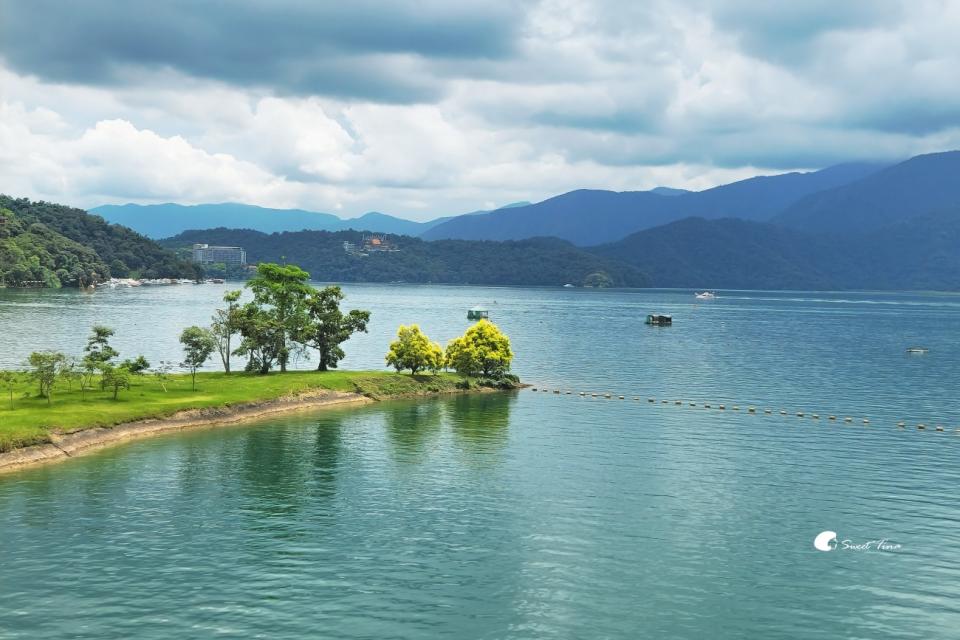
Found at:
<point>920,186</point>
<point>124,252</point>
<point>538,261</point>
<point>35,255</point>
<point>922,253</point>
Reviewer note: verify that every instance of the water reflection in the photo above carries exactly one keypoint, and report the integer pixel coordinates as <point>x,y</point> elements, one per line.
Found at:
<point>480,423</point>
<point>412,428</point>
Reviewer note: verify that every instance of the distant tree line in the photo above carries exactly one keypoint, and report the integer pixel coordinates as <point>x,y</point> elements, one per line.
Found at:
<point>538,261</point>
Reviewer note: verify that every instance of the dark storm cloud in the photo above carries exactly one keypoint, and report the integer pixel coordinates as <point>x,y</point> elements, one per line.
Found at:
<point>361,48</point>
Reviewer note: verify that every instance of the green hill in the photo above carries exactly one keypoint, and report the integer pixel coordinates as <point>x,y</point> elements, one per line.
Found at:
<point>46,244</point>
<point>537,261</point>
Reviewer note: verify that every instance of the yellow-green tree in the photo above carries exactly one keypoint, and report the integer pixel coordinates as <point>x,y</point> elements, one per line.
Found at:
<point>482,350</point>
<point>413,350</point>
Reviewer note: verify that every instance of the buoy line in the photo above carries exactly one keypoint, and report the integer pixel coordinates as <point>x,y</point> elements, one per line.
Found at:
<point>751,410</point>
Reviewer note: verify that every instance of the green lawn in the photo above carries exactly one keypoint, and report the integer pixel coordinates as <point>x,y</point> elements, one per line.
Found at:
<point>31,418</point>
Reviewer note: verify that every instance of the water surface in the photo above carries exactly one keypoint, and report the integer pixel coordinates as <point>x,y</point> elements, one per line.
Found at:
<point>524,515</point>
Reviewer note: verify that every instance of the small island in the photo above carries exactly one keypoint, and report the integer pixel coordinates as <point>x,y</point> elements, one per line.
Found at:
<point>60,406</point>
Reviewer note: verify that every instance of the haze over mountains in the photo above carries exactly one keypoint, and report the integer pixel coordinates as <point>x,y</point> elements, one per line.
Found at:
<point>856,225</point>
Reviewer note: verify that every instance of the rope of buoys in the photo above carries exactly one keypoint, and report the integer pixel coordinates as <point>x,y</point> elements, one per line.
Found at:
<point>722,407</point>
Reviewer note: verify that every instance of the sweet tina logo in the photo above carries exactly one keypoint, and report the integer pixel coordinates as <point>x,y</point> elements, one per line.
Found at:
<point>825,541</point>
<point>828,541</point>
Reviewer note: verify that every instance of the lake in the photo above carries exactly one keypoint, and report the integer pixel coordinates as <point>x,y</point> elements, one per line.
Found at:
<point>527,514</point>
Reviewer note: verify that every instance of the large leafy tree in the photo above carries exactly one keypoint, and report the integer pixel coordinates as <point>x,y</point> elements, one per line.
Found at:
<point>482,350</point>
<point>282,289</point>
<point>327,327</point>
<point>413,350</point>
<point>261,337</point>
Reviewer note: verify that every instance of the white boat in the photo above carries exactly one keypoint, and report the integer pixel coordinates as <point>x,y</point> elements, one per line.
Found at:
<point>918,350</point>
<point>706,295</point>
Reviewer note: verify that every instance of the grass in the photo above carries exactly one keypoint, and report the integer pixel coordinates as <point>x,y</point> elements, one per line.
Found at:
<point>32,419</point>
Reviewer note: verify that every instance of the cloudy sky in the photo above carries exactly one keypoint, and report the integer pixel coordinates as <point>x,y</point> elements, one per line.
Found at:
<point>436,107</point>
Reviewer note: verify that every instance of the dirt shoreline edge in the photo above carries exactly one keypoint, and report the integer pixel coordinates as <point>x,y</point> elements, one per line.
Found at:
<point>68,445</point>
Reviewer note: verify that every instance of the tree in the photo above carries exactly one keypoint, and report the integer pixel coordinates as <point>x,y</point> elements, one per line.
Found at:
<point>98,347</point>
<point>283,290</point>
<point>326,327</point>
<point>262,339</point>
<point>137,366</point>
<point>482,350</point>
<point>198,345</point>
<point>413,350</point>
<point>46,367</point>
<point>99,354</point>
<point>115,378</point>
<point>8,380</point>
<point>226,323</point>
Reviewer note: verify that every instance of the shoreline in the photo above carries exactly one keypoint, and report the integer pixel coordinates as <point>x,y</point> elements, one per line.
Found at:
<point>69,445</point>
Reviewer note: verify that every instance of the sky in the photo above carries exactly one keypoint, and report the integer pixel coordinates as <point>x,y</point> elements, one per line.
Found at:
<point>431,108</point>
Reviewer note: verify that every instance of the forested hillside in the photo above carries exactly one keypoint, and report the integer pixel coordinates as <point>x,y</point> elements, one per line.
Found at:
<point>33,254</point>
<point>538,261</point>
<point>42,242</point>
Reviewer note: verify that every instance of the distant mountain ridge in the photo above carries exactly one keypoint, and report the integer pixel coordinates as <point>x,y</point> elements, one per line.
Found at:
<point>587,217</point>
<point>165,220</point>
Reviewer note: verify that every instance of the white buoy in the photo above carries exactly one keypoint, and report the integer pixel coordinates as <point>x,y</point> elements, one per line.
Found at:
<point>534,389</point>
<point>783,412</point>
<point>866,421</point>
<point>735,408</point>
<point>678,402</point>
<point>706,406</point>
<point>636,397</point>
<point>799,414</point>
<point>848,419</point>
<point>693,404</point>
<point>751,409</point>
<point>768,411</point>
<point>556,390</point>
<point>939,427</point>
<point>569,392</point>
<point>607,395</point>
<point>832,418</point>
<point>815,416</point>
<point>721,407</point>
<point>621,397</point>
<point>921,426</point>
<point>901,424</point>
<point>582,393</point>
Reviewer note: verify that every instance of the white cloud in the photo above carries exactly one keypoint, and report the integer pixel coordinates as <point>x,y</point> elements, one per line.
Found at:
<point>581,93</point>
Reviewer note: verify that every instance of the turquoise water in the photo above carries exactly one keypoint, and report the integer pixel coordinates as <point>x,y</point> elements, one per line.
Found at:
<point>525,515</point>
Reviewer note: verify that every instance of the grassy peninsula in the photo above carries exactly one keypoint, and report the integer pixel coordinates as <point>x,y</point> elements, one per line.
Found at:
<point>60,394</point>
<point>32,420</point>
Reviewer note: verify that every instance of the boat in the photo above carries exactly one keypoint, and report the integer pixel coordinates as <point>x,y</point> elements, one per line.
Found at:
<point>918,350</point>
<point>477,313</point>
<point>706,295</point>
<point>568,286</point>
<point>659,320</point>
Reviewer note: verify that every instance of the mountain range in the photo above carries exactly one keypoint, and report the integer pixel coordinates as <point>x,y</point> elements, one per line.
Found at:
<point>165,220</point>
<point>856,225</point>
